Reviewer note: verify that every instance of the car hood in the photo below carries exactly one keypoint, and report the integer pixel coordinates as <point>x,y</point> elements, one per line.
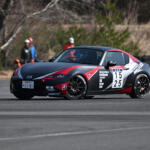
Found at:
<point>39,69</point>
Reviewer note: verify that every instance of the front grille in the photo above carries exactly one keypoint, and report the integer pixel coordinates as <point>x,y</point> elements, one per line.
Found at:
<point>39,87</point>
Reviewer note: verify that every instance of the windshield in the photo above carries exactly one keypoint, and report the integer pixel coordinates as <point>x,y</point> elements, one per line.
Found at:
<point>82,56</point>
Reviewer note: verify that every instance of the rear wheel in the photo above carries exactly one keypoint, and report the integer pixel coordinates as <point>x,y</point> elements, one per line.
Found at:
<point>23,96</point>
<point>141,86</point>
<point>77,88</point>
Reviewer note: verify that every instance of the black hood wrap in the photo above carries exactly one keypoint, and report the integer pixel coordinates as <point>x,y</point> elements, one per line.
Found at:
<point>35,70</point>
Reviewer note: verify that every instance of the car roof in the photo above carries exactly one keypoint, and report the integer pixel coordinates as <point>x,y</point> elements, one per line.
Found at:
<point>102,48</point>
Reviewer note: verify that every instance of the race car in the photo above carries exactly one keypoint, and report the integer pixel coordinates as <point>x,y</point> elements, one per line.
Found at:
<point>83,71</point>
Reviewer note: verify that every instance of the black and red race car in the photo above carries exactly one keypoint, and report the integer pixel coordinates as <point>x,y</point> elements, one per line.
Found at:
<point>83,71</point>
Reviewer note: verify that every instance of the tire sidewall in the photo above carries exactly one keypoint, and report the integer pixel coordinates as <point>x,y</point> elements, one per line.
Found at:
<point>70,97</point>
<point>134,93</point>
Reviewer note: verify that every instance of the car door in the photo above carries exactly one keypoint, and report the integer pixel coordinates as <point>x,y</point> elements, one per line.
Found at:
<point>111,78</point>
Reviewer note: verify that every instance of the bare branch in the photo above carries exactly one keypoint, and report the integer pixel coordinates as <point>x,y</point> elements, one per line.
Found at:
<point>22,6</point>
<point>2,11</point>
<point>12,3</point>
<point>49,5</point>
<point>11,39</point>
<point>73,15</point>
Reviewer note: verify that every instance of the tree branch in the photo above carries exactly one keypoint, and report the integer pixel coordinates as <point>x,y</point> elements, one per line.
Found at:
<point>49,5</point>
<point>11,39</point>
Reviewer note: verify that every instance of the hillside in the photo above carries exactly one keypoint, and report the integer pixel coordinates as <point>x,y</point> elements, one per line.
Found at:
<point>41,18</point>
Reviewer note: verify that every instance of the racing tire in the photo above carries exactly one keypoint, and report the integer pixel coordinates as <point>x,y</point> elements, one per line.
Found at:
<point>141,86</point>
<point>77,88</point>
<point>22,96</point>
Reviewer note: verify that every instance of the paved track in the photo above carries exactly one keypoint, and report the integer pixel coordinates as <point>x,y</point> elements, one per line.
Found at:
<point>113,122</point>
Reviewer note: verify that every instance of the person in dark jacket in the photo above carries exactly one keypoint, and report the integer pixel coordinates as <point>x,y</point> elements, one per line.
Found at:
<point>26,55</point>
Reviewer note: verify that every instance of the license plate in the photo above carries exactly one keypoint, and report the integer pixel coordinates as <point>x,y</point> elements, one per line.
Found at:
<point>28,84</point>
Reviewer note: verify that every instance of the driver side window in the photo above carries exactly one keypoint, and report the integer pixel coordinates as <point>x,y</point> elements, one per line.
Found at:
<point>116,57</point>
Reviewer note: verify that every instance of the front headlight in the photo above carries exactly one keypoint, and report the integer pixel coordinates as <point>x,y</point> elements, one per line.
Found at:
<point>17,73</point>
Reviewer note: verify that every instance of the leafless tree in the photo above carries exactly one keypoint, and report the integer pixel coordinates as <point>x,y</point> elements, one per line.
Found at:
<point>23,17</point>
<point>20,10</point>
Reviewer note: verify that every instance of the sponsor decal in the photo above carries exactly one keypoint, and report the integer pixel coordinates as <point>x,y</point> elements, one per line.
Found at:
<point>102,76</point>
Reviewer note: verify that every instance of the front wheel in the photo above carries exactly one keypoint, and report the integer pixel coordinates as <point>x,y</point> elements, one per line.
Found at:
<point>77,88</point>
<point>141,86</point>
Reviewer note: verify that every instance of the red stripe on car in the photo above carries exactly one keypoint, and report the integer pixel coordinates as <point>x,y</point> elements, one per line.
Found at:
<point>127,90</point>
<point>67,70</point>
<point>64,71</point>
<point>88,75</point>
<point>63,87</point>
<point>117,67</point>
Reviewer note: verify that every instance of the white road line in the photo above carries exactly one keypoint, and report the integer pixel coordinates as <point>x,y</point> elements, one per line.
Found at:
<point>74,113</point>
<point>72,133</point>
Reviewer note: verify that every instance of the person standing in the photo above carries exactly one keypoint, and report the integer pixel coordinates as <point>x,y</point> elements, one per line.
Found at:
<point>26,55</point>
<point>32,49</point>
<point>70,44</point>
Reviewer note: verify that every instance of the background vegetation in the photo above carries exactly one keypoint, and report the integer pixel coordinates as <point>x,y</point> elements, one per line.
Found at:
<point>102,33</point>
<point>52,22</point>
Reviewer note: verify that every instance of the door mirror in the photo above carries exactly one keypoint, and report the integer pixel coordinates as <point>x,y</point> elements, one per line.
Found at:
<point>110,64</point>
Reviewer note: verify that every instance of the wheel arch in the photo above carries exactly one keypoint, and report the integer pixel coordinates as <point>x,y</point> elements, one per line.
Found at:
<point>136,93</point>
<point>87,83</point>
<point>138,73</point>
<point>75,74</point>
<point>142,72</point>
<point>81,95</point>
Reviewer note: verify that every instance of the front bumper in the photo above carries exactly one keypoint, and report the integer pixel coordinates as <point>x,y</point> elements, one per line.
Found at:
<point>38,90</point>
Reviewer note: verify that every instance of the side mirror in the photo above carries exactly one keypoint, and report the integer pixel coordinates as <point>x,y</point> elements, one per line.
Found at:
<point>51,59</point>
<point>110,64</point>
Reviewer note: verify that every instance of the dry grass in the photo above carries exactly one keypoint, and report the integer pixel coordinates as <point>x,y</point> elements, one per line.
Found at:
<point>139,33</point>
<point>5,74</point>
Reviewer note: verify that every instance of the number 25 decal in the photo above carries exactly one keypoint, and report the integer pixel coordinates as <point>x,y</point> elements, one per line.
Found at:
<point>117,79</point>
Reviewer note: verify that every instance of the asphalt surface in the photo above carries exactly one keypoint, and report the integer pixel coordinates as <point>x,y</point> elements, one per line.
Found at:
<point>107,122</point>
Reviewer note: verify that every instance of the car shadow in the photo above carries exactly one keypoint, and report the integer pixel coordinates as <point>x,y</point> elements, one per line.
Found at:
<point>33,99</point>
<point>61,98</point>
